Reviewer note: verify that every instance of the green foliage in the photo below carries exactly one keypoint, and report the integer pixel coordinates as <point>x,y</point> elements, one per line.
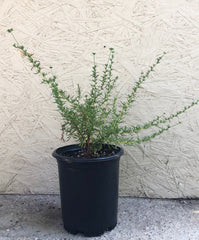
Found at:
<point>97,118</point>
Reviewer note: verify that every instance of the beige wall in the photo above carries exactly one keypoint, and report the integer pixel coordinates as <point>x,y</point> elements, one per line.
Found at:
<point>63,34</point>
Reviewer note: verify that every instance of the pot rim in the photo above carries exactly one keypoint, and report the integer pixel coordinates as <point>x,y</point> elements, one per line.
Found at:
<point>75,147</point>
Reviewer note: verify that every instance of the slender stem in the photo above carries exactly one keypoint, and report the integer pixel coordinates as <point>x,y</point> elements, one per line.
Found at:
<point>14,38</point>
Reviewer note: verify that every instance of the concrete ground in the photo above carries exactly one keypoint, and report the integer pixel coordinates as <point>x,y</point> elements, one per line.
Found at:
<point>38,217</point>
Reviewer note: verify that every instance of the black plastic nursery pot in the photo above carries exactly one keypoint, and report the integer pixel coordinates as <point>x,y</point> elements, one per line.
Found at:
<point>89,191</point>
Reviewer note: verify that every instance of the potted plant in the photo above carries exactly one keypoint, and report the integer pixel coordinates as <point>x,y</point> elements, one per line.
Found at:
<point>88,170</point>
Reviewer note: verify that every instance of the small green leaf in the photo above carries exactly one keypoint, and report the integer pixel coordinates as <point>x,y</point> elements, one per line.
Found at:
<point>10,30</point>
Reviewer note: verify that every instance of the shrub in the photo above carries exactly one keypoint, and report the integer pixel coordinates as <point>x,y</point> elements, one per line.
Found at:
<point>97,118</point>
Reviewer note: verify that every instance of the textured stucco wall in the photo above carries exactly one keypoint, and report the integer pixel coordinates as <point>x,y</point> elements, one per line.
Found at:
<point>63,34</point>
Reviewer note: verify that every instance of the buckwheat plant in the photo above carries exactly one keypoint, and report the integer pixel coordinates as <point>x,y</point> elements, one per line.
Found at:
<point>97,118</point>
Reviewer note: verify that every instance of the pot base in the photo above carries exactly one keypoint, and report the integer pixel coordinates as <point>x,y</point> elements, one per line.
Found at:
<point>89,234</point>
